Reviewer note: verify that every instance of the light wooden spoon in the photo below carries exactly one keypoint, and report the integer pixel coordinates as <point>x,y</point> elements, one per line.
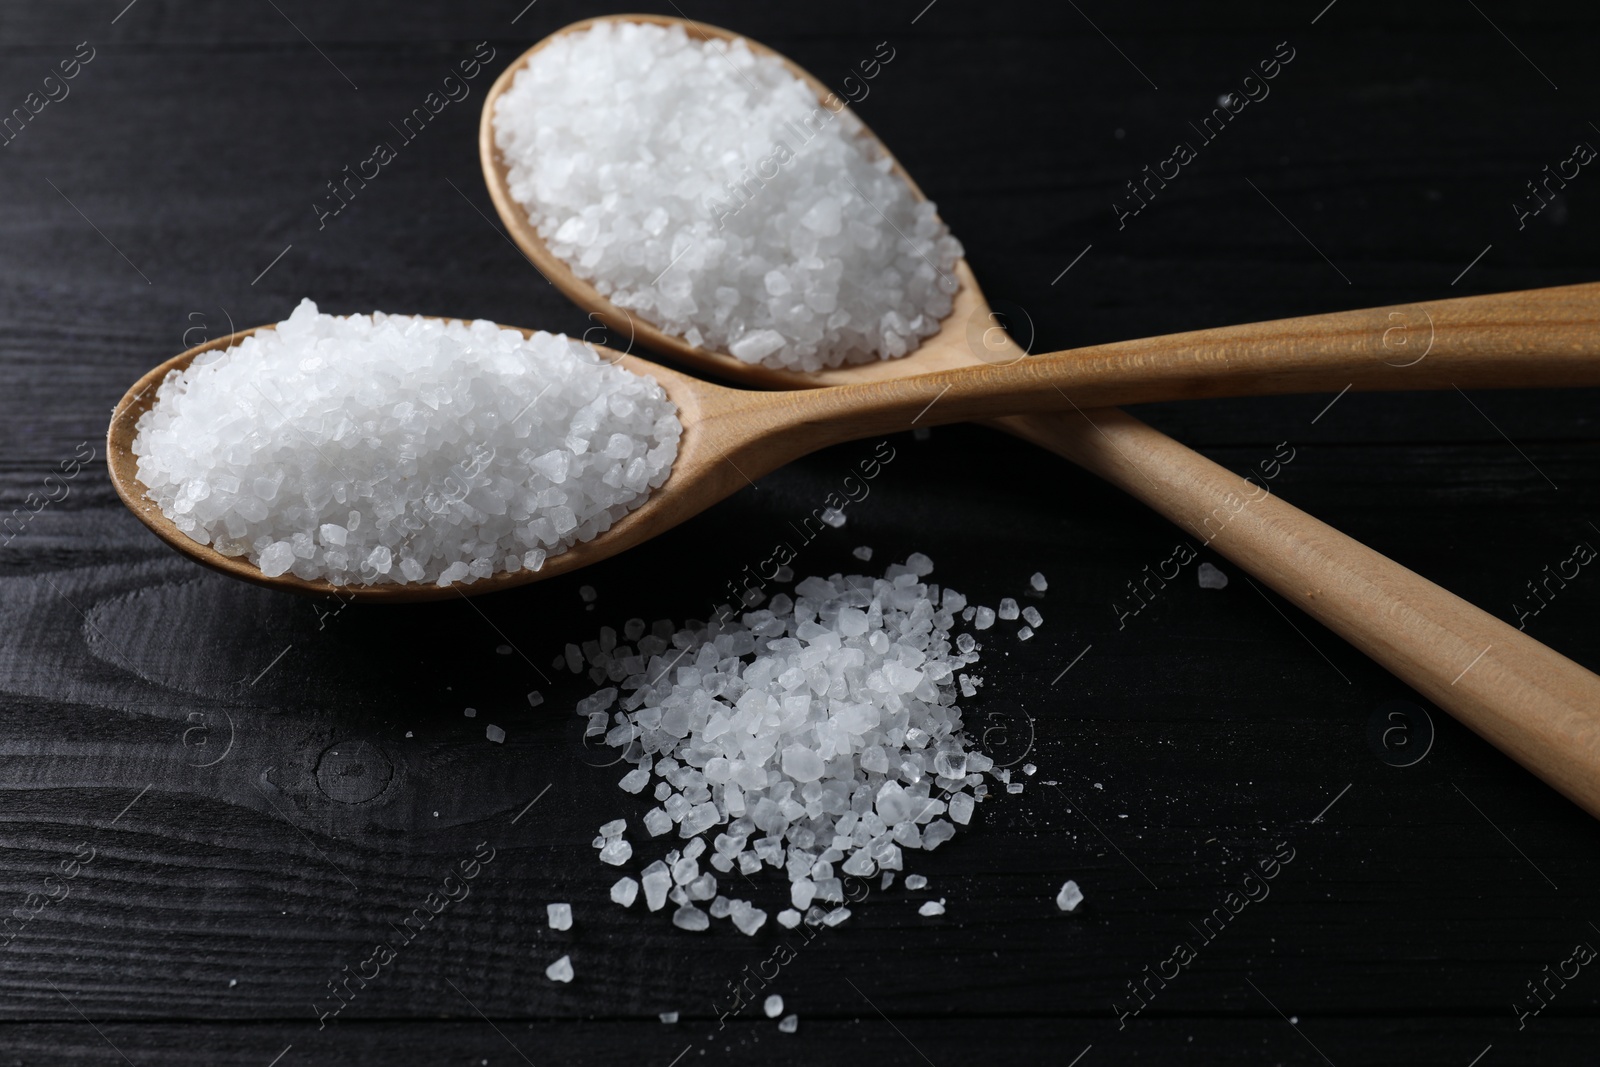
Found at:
<point>1537,706</point>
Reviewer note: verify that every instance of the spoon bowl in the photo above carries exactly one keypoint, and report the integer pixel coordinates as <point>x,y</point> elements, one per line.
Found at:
<point>948,348</point>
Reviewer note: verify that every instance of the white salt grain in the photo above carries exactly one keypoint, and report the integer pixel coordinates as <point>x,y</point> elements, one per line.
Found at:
<point>1070,896</point>
<point>773,1006</point>
<point>1025,633</point>
<point>862,552</point>
<point>560,970</point>
<point>560,916</point>
<point>916,881</point>
<point>689,917</point>
<point>625,891</point>
<point>931,908</point>
<point>789,1024</point>
<point>1038,582</point>
<point>1211,578</point>
<point>535,698</point>
<point>984,620</point>
<point>704,189</point>
<point>669,1017</point>
<point>1008,609</point>
<point>788,918</point>
<point>494,733</point>
<point>833,517</point>
<point>1031,615</point>
<point>390,449</point>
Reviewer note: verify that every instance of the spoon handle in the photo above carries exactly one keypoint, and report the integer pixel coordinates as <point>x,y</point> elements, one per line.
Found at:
<point>1532,339</point>
<point>1536,706</point>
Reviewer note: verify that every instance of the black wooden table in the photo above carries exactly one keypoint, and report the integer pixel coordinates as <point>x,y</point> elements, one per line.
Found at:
<point>237,794</point>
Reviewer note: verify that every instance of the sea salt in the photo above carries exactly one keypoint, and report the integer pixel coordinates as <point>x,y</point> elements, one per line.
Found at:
<point>689,917</point>
<point>930,908</point>
<point>1038,582</point>
<point>390,449</point>
<point>706,190</point>
<point>1070,896</point>
<point>560,970</point>
<point>669,1017</point>
<point>625,891</point>
<point>1031,615</point>
<point>789,1024</point>
<point>773,1006</point>
<point>1025,633</point>
<point>1008,609</point>
<point>1211,578</point>
<point>862,552</point>
<point>819,736</point>
<point>916,881</point>
<point>984,620</point>
<point>494,733</point>
<point>560,916</point>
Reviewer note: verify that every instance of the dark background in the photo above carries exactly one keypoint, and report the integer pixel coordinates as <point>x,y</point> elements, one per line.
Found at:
<point>137,217</point>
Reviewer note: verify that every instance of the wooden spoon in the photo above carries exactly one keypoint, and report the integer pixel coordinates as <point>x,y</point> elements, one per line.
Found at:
<point>1537,706</point>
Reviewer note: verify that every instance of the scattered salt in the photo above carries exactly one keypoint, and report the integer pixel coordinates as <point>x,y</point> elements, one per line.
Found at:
<point>494,733</point>
<point>471,713</point>
<point>1032,616</point>
<point>984,620</point>
<point>560,916</point>
<point>833,517</point>
<point>689,917</point>
<point>669,1017</point>
<point>1038,582</point>
<point>560,970</point>
<point>1211,578</point>
<point>788,918</point>
<point>931,908</point>
<point>1070,896</point>
<point>1008,609</point>
<point>773,1006</point>
<point>1025,633</point>
<point>862,552</point>
<point>625,891</point>
<point>704,189</point>
<point>535,698</point>
<point>789,1024</point>
<point>916,881</point>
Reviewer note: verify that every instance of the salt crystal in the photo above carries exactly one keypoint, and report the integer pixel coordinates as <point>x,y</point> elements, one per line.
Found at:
<point>931,908</point>
<point>984,620</point>
<point>1211,578</point>
<point>1070,896</point>
<point>614,828</point>
<point>788,918</point>
<point>836,916</point>
<point>655,881</point>
<point>833,517</point>
<point>471,713</point>
<point>616,852</point>
<point>535,698</point>
<point>789,1024</point>
<point>669,1017</point>
<point>862,552</point>
<point>587,594</point>
<point>560,970</point>
<point>625,891</point>
<point>635,780</point>
<point>1025,633</point>
<point>773,1006</point>
<point>1038,582</point>
<point>560,916</point>
<point>1013,787</point>
<point>916,881</point>
<point>494,733</point>
<point>689,917</point>
<point>746,917</point>
<point>1008,609</point>
<point>1032,616</point>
